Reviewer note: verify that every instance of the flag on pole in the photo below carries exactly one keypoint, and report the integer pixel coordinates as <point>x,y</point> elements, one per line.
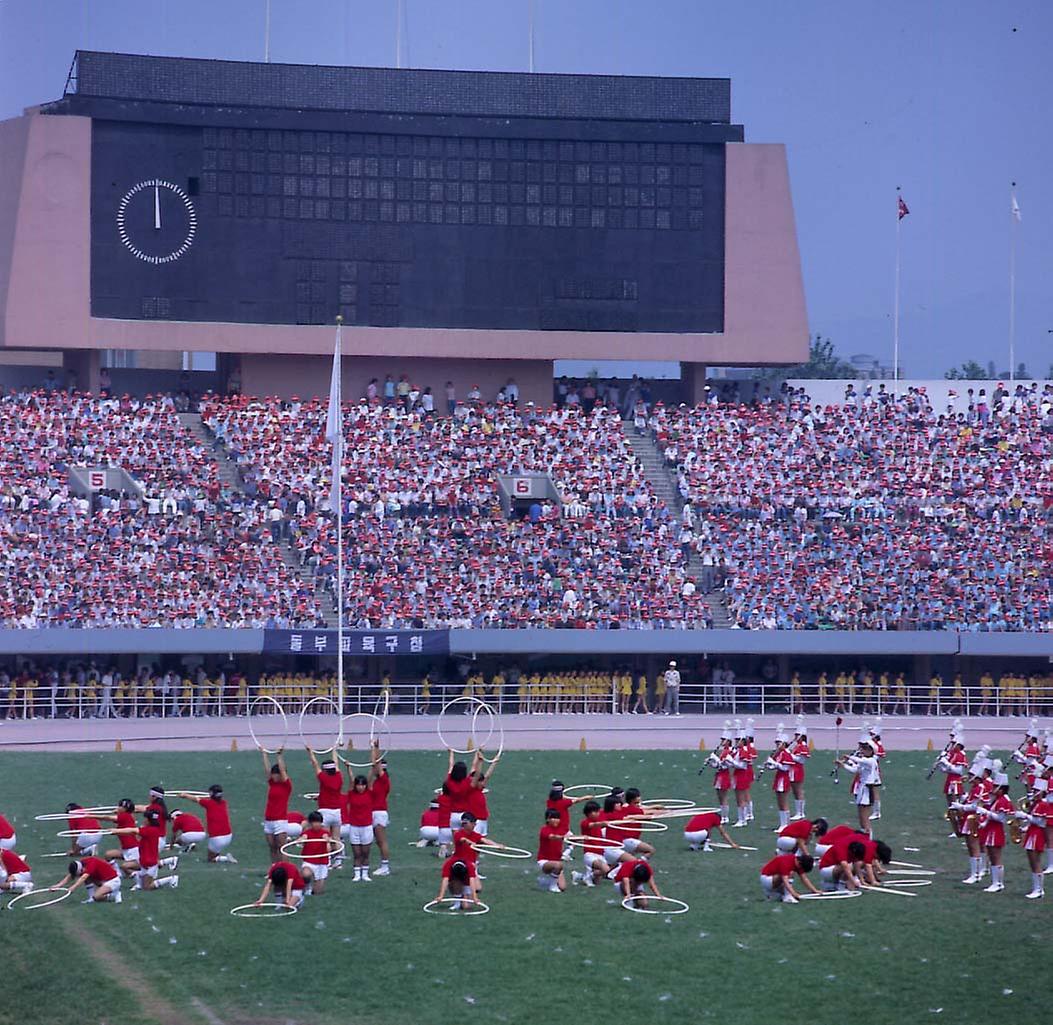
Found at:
<point>334,427</point>
<point>1014,206</point>
<point>903,211</point>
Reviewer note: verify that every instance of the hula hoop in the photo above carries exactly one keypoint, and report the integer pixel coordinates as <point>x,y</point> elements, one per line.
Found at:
<point>65,815</point>
<point>257,911</point>
<point>669,803</point>
<point>905,864</point>
<point>385,697</point>
<point>910,872</point>
<point>66,891</point>
<point>175,791</point>
<point>680,907</point>
<point>57,854</point>
<point>374,721</point>
<point>599,789</point>
<point>461,701</point>
<point>881,889</point>
<point>435,907</point>
<point>592,841</point>
<point>908,882</point>
<point>501,734</point>
<point>311,797</point>
<point>336,847</point>
<point>644,825</point>
<point>913,850</point>
<point>728,847</point>
<point>501,852</point>
<point>80,832</point>
<point>831,895</point>
<point>332,704</point>
<point>285,723</point>
<point>687,813</point>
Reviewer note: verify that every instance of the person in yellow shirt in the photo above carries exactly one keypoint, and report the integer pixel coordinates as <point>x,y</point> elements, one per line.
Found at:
<point>901,706</point>
<point>866,683</point>
<point>820,690</point>
<point>957,705</point>
<point>497,690</point>
<point>659,692</point>
<point>986,691</point>
<point>935,686</point>
<point>425,694</point>
<point>625,689</point>
<point>186,699</point>
<point>523,693</point>
<point>883,693</point>
<point>851,686</point>
<point>796,695</point>
<point>840,693</point>
<point>147,709</point>
<point>641,695</point>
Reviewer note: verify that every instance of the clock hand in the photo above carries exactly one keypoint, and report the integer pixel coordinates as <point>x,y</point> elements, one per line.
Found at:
<point>157,208</point>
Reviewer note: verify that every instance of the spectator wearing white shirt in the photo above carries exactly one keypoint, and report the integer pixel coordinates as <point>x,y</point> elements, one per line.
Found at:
<point>672,690</point>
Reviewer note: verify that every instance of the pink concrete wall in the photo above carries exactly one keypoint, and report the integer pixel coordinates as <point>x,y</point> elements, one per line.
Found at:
<point>308,376</point>
<point>14,137</point>
<point>48,301</point>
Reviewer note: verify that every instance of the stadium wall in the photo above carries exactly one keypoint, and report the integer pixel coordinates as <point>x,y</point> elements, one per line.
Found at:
<point>942,393</point>
<point>56,641</point>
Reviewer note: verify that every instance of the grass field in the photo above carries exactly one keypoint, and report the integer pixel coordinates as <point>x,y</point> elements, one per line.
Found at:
<point>366,953</point>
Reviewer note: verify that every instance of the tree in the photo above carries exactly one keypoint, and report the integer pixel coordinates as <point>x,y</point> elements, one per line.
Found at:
<point>970,370</point>
<point>1021,372</point>
<point>823,363</point>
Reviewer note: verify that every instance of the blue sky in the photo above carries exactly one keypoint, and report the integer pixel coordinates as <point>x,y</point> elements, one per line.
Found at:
<point>949,100</point>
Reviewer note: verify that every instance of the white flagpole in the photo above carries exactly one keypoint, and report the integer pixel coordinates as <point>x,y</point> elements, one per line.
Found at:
<point>335,435</point>
<point>895,309</point>
<point>530,4</point>
<point>398,33</point>
<point>1013,221</point>
<point>267,33</point>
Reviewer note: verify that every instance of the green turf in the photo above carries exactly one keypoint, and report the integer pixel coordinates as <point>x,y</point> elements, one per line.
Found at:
<point>365,952</point>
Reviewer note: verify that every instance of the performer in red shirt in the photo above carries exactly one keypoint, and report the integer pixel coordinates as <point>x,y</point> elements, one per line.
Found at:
<point>1037,819</point>
<point>148,838</point>
<point>187,831</point>
<point>720,760</point>
<point>295,820</point>
<point>358,803</point>
<point>101,880</point>
<point>698,829</point>
<point>445,806</point>
<point>741,776</point>
<point>460,880</point>
<point>840,864</point>
<point>276,810</point>
<point>751,749</point>
<point>831,836</point>
<point>550,853</point>
<point>8,837</point>
<point>558,802</point>
<point>217,822</point>
<point>966,818</point>
<point>429,825</point>
<point>799,752</point>
<point>86,842</point>
<point>459,785</point>
<point>317,851</point>
<point>796,835</point>
<point>992,829</point>
<point>630,878</point>
<point>330,792</point>
<point>381,793</point>
<point>879,754</point>
<point>776,875</point>
<point>124,821</point>
<point>15,874</point>
<point>592,826</point>
<point>782,762</point>
<point>288,883</point>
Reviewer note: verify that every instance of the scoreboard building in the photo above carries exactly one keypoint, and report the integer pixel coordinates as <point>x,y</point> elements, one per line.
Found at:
<point>468,226</point>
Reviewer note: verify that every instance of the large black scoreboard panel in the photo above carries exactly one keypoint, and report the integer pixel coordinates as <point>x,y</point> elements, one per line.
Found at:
<point>621,230</point>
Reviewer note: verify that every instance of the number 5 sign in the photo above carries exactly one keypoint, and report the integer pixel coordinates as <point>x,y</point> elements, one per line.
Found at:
<point>96,480</point>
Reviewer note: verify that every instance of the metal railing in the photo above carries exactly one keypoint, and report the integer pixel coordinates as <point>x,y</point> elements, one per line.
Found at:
<point>742,697</point>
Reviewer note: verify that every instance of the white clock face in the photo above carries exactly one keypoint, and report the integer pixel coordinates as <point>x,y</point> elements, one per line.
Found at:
<point>156,221</point>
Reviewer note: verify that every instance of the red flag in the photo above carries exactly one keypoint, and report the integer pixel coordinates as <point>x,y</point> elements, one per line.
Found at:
<point>903,211</point>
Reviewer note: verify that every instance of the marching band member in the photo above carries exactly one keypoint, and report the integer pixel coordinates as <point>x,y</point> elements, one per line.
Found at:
<point>979,792</point>
<point>751,748</point>
<point>782,762</point>
<point>796,835</point>
<point>775,876</point>
<point>799,752</point>
<point>1037,819</point>
<point>740,762</point>
<point>992,831</point>
<point>1029,755</point>
<point>719,759</point>
<point>865,764</point>
<point>879,753</point>
<point>953,763</point>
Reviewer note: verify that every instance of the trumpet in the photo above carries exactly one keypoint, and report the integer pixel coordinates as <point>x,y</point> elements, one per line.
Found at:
<point>936,765</point>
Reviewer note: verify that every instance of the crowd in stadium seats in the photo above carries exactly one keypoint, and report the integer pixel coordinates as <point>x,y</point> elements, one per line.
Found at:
<point>184,553</point>
<point>426,540</point>
<point>875,513</point>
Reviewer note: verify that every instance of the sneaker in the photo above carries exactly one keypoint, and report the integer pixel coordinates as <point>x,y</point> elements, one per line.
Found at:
<point>971,880</point>
<point>872,817</point>
<point>422,843</point>
<point>115,897</point>
<point>1035,894</point>
<point>187,848</point>
<point>994,888</point>
<point>175,883</point>
<point>797,818</point>
<point>355,878</point>
<point>738,825</point>
<point>787,899</point>
<point>365,877</point>
<point>384,870</point>
<point>88,900</point>
<point>1048,871</point>
<point>693,847</point>
<point>575,878</point>
<point>169,862</point>
<point>588,880</point>
<point>554,887</point>
<point>231,859</point>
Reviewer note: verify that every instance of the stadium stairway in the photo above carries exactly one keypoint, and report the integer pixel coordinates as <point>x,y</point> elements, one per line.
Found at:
<point>664,484</point>
<point>228,475</point>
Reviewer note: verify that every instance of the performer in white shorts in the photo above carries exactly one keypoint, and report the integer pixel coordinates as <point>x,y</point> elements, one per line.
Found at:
<point>317,852</point>
<point>86,842</point>
<point>865,763</point>
<point>187,831</point>
<point>15,874</point>
<point>276,810</point>
<point>8,837</point>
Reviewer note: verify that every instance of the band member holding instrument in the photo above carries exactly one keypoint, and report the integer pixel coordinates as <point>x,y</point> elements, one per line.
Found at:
<point>993,818</point>
<point>865,763</point>
<point>879,753</point>
<point>719,760</point>
<point>741,775</point>
<point>979,793</point>
<point>781,760</point>
<point>953,763</point>
<point>1029,755</point>
<point>1038,819</point>
<point>800,750</point>
<point>751,747</point>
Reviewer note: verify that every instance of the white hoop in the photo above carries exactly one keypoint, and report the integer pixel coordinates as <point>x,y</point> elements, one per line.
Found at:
<point>644,825</point>
<point>285,724</point>
<point>385,698</point>
<point>258,911</point>
<point>910,872</point>
<point>882,889</point>
<point>905,864</point>
<point>311,797</point>
<point>728,847</point>
<point>669,803</point>
<point>496,719</point>
<point>376,725</point>
<point>336,847</point>
<point>81,832</point>
<point>686,813</point>
<point>461,701</point>
<point>435,907</point>
<point>595,789</point>
<point>58,854</point>
<point>588,842</point>
<point>501,852</point>
<point>174,792</point>
<point>66,891</point>
<point>679,907</point>
<point>339,735</point>
<point>908,882</point>
<point>831,895</point>
<point>77,813</point>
